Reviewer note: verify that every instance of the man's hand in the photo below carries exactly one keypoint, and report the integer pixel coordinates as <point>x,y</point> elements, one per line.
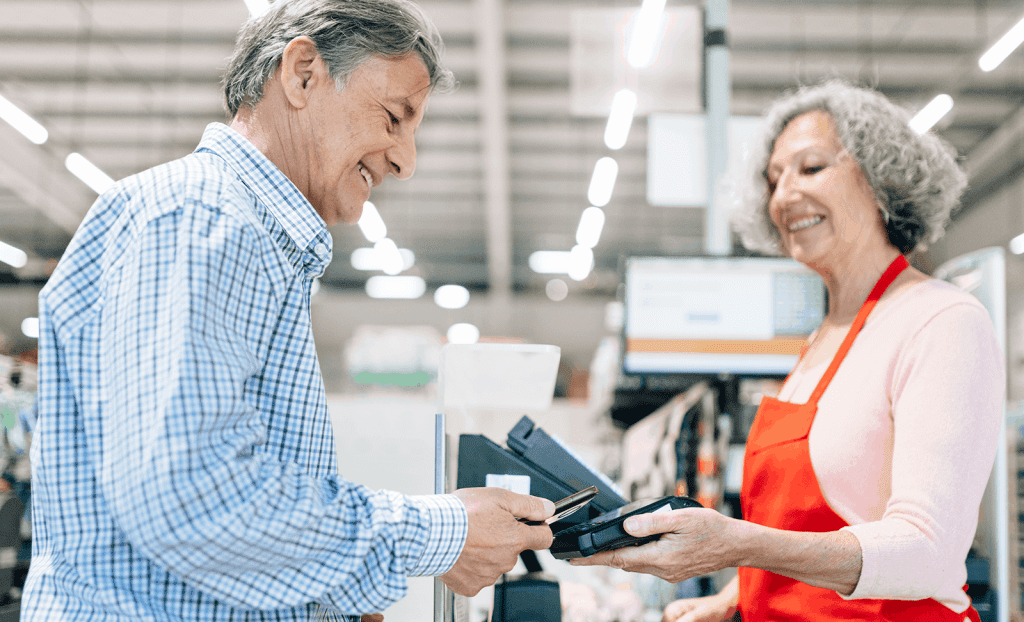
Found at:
<point>495,537</point>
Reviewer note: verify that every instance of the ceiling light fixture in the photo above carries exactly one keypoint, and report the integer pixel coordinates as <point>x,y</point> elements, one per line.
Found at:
<point>20,121</point>
<point>556,289</point>
<point>390,258</point>
<point>549,262</point>
<point>463,333</point>
<point>591,223</point>
<point>370,260</point>
<point>930,114</point>
<point>581,260</point>
<point>12,256</point>
<point>603,181</point>
<point>1002,48</point>
<point>30,327</point>
<point>1017,245</point>
<point>451,296</point>
<point>644,39</point>
<point>88,172</point>
<point>620,119</point>
<point>371,224</point>
<point>408,287</point>
<point>257,7</point>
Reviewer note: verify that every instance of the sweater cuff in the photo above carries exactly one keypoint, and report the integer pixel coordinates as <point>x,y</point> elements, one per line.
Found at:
<point>897,561</point>
<point>869,570</point>
<point>447,524</point>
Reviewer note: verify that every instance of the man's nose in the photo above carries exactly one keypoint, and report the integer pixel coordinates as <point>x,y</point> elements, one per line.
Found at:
<point>402,156</point>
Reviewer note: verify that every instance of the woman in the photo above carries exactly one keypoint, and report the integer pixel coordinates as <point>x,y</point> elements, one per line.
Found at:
<point>863,480</point>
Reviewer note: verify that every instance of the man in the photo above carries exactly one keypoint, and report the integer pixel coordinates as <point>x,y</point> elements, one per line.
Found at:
<point>184,464</point>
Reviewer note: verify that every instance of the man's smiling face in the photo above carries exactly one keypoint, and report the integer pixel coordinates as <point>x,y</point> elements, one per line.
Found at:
<point>363,133</point>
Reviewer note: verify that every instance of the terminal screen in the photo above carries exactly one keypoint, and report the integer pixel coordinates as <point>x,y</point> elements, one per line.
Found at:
<point>738,315</point>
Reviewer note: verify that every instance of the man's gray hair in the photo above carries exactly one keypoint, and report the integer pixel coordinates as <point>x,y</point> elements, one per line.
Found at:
<point>916,178</point>
<point>346,34</point>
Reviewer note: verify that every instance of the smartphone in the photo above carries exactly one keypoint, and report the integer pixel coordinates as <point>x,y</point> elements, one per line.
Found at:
<point>566,506</point>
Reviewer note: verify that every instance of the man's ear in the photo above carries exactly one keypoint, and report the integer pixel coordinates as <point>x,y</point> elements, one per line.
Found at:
<point>301,68</point>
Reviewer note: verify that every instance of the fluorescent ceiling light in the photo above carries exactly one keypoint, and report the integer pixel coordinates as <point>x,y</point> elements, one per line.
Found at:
<point>12,256</point>
<point>646,28</point>
<point>370,259</point>
<point>620,119</point>
<point>395,287</point>
<point>371,224</point>
<point>30,327</point>
<point>603,181</point>
<point>581,260</point>
<point>22,122</point>
<point>257,7</point>
<point>930,114</point>
<point>451,296</point>
<point>88,173</point>
<point>1017,245</point>
<point>1002,48</point>
<point>591,224</point>
<point>390,258</point>
<point>463,333</point>
<point>550,262</point>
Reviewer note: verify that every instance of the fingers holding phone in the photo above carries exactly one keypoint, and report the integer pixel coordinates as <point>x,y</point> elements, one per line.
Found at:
<point>566,506</point>
<point>496,537</point>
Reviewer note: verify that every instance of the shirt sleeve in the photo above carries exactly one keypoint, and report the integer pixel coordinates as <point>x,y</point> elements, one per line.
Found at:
<point>181,472</point>
<point>948,398</point>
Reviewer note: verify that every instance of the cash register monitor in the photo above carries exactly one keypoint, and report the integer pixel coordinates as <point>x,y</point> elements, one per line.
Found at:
<point>712,315</point>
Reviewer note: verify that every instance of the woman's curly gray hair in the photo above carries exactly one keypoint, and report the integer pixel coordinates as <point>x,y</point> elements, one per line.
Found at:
<point>346,34</point>
<point>916,177</point>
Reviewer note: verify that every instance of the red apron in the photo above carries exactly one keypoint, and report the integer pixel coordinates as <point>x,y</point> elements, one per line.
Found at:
<point>780,490</point>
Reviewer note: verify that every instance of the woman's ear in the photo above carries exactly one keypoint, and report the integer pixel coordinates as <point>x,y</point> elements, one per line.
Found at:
<point>301,68</point>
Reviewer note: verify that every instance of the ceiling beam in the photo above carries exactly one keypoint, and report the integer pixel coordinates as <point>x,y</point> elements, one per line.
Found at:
<point>997,161</point>
<point>493,87</point>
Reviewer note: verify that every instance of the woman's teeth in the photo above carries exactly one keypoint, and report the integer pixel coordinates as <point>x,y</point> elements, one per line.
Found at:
<point>803,223</point>
<point>366,175</point>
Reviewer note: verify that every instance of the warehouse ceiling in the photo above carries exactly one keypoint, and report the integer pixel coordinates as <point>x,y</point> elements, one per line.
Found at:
<point>505,161</point>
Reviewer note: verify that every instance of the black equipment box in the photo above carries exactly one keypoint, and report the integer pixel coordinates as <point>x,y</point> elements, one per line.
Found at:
<point>544,451</point>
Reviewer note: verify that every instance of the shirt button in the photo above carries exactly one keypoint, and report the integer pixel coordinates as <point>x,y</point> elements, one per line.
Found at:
<point>320,249</point>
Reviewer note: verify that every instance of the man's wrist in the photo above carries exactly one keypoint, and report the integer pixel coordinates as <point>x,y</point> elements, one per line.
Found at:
<point>447,524</point>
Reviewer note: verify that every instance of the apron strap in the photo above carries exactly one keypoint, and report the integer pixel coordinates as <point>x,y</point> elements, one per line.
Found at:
<point>895,268</point>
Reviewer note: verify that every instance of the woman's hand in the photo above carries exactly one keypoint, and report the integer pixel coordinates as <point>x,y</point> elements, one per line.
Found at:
<point>715,608</point>
<point>705,609</point>
<point>694,542</point>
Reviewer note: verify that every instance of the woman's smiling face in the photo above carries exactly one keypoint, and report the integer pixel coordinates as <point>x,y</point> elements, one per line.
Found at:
<point>819,200</point>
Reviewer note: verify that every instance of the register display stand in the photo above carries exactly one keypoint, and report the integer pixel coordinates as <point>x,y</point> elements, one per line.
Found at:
<point>486,375</point>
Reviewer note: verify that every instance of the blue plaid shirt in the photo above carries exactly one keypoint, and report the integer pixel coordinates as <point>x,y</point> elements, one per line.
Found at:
<point>184,464</point>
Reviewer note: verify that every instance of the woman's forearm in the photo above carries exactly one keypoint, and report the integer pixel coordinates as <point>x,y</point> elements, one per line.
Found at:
<point>829,560</point>
<point>700,541</point>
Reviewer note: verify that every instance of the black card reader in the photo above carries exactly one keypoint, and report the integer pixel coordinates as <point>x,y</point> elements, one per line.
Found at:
<point>606,532</point>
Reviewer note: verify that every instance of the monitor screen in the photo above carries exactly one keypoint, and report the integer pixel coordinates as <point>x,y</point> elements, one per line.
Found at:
<point>711,315</point>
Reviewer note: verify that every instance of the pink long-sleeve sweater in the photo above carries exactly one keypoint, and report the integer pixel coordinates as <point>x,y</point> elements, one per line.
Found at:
<point>905,438</point>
